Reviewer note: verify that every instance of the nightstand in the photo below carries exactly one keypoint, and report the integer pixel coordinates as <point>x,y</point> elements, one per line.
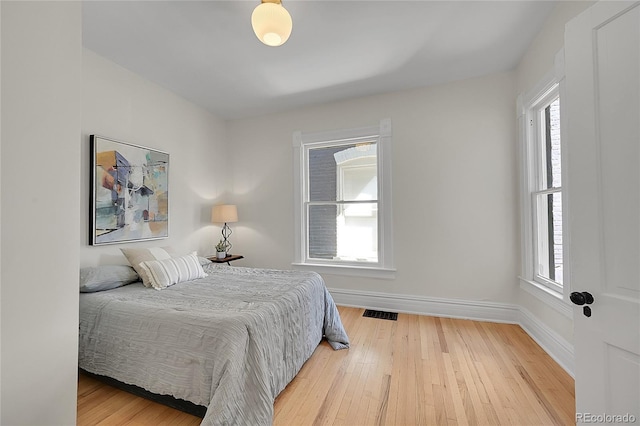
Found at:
<point>227,259</point>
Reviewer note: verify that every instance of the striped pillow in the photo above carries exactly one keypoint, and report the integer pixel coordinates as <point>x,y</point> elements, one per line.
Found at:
<point>136,256</point>
<point>166,272</point>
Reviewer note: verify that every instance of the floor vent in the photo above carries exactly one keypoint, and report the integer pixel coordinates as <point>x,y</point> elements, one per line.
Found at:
<point>370,313</point>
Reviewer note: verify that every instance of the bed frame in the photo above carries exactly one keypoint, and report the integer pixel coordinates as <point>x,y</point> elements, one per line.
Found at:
<point>168,400</point>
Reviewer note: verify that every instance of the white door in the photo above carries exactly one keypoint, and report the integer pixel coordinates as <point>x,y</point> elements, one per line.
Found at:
<point>602,64</point>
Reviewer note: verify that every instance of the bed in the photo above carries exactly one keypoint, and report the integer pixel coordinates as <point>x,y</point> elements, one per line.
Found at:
<point>231,341</point>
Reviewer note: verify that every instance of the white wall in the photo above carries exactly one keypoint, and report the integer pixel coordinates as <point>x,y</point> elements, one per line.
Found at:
<point>538,61</point>
<point>54,95</point>
<point>40,166</point>
<point>121,105</point>
<point>454,187</point>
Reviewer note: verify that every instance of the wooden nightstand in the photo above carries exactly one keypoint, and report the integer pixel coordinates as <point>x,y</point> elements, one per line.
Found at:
<point>227,259</point>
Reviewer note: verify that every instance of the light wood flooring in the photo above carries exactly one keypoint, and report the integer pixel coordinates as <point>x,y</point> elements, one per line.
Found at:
<point>418,370</point>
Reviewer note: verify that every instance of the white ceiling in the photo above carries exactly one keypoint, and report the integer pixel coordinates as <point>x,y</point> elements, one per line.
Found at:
<point>206,51</point>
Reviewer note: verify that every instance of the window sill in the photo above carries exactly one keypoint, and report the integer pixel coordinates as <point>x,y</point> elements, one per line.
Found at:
<point>550,297</point>
<point>348,270</point>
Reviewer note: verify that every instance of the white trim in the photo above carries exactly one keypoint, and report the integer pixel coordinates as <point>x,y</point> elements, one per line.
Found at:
<point>348,270</point>
<point>384,268</point>
<point>298,158</point>
<point>552,298</point>
<point>551,342</point>
<point>453,308</point>
<point>385,195</point>
<point>332,136</point>
<point>566,192</point>
<point>553,82</point>
<point>541,89</point>
<point>524,152</point>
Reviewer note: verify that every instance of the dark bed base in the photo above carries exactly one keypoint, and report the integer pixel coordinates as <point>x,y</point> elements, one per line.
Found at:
<point>178,404</point>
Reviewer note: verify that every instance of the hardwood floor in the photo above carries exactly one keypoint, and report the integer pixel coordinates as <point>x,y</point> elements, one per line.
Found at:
<point>101,404</point>
<point>418,370</point>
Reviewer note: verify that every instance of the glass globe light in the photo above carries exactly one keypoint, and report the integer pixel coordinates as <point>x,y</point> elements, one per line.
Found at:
<point>271,22</point>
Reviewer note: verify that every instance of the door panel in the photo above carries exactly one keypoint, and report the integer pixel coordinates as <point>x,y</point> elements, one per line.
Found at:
<point>623,366</point>
<point>617,87</point>
<point>602,64</point>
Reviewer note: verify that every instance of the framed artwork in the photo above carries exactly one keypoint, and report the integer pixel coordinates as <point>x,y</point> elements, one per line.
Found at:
<point>129,192</point>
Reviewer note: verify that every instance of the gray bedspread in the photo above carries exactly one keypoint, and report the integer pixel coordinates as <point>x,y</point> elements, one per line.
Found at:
<point>231,341</point>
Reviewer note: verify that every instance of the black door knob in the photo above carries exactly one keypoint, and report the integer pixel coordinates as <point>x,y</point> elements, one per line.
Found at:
<point>581,298</point>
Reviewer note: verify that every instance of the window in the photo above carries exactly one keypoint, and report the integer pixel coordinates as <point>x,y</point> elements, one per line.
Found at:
<point>542,189</point>
<point>547,196</point>
<point>343,214</point>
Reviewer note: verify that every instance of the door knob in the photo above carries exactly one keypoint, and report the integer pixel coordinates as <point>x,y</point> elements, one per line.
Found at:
<point>581,298</point>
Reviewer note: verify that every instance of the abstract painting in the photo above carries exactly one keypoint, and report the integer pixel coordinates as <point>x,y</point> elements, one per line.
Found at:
<point>129,192</point>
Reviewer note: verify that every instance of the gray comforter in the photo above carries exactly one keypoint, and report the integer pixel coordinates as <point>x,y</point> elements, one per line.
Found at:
<point>231,341</point>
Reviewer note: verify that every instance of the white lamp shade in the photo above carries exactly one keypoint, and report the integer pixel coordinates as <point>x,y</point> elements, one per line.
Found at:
<point>272,23</point>
<point>224,213</point>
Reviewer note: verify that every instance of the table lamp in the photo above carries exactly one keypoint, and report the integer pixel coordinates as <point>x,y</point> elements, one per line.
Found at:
<point>225,213</point>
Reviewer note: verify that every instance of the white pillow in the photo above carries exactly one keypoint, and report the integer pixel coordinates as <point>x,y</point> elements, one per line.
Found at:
<point>166,272</point>
<point>106,277</point>
<point>136,256</point>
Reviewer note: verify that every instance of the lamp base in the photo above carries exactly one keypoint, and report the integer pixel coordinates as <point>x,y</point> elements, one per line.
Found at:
<point>226,232</point>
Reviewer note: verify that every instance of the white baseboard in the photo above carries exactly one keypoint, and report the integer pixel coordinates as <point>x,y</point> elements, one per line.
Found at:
<point>454,308</point>
<point>552,343</point>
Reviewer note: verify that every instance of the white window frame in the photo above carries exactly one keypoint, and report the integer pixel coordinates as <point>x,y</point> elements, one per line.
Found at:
<point>553,84</point>
<point>533,117</point>
<point>302,142</point>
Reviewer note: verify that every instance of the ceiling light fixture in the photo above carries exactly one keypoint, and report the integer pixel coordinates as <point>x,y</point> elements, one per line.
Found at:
<point>271,22</point>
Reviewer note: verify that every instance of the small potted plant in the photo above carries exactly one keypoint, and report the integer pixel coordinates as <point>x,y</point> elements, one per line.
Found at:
<point>221,250</point>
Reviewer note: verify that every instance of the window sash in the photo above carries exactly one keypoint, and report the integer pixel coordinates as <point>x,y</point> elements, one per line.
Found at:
<point>541,138</point>
<point>307,203</point>
<point>336,258</point>
<point>537,143</point>
<point>540,215</point>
